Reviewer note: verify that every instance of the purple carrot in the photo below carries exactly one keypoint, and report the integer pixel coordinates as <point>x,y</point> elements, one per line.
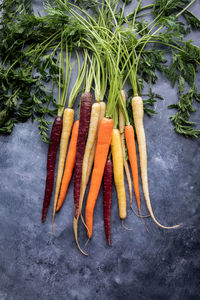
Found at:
<point>84,121</point>
<point>107,196</point>
<point>51,160</point>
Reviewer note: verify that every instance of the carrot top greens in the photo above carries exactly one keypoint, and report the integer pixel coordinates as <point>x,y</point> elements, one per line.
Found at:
<point>134,47</point>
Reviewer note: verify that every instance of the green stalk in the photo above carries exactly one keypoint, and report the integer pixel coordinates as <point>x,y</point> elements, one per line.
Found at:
<point>123,109</point>
<point>66,75</point>
<point>59,82</point>
<point>141,8</point>
<point>89,75</point>
<point>185,8</point>
<point>79,80</point>
<point>135,12</point>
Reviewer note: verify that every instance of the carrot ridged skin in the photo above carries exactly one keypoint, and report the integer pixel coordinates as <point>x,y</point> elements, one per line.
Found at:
<point>84,120</point>
<point>107,196</point>
<point>51,160</point>
<point>69,165</point>
<point>118,171</point>
<point>130,143</point>
<point>101,153</point>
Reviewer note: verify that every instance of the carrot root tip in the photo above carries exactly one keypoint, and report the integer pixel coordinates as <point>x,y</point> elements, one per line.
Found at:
<point>125,227</point>
<point>139,216</point>
<point>87,242</point>
<point>75,226</point>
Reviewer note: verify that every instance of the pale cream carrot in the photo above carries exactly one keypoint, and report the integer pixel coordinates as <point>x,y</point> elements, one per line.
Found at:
<point>94,119</point>
<point>138,112</point>
<point>92,153</point>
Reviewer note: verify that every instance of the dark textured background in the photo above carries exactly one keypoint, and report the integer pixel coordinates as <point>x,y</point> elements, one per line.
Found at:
<point>157,265</point>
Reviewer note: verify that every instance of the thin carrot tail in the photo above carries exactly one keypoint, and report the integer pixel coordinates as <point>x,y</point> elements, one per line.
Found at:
<point>156,221</point>
<point>137,197</point>
<point>140,215</point>
<point>75,227</point>
<point>59,205</point>
<point>125,227</point>
<point>83,221</point>
<point>143,221</point>
<point>128,176</point>
<point>61,198</point>
<point>89,223</point>
<point>60,201</point>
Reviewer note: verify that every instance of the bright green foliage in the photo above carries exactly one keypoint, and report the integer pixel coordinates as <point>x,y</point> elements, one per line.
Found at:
<point>126,46</point>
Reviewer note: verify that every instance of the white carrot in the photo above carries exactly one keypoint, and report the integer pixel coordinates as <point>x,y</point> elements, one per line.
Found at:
<point>138,112</point>
<point>94,119</point>
<point>92,153</point>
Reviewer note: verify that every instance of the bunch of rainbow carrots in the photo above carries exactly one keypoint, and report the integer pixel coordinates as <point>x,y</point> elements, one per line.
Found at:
<point>98,142</point>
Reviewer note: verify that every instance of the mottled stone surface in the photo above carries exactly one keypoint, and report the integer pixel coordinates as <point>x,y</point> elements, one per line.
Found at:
<point>157,265</point>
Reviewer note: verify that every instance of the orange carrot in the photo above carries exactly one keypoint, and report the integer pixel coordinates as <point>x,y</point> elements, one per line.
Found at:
<point>102,148</point>
<point>69,165</point>
<point>130,142</point>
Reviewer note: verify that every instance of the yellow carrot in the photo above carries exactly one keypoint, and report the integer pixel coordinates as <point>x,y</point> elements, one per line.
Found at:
<point>68,119</point>
<point>118,170</point>
<point>138,112</point>
<point>121,129</point>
